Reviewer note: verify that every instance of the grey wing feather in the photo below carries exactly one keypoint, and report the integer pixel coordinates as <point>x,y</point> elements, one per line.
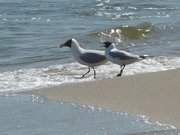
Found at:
<point>92,57</point>
<point>123,55</point>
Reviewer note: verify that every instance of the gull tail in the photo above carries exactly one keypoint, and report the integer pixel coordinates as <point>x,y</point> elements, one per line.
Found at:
<point>145,56</point>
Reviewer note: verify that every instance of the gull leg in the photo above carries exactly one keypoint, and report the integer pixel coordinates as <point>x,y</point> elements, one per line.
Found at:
<point>94,73</point>
<point>121,71</point>
<point>86,73</point>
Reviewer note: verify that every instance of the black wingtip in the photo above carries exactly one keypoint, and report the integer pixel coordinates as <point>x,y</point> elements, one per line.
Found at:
<point>144,56</point>
<point>107,44</point>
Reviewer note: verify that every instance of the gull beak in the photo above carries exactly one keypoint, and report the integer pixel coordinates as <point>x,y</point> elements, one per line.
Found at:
<point>62,45</point>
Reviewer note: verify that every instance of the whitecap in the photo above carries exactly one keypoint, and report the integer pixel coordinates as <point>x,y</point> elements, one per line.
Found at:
<point>4,19</point>
<point>48,20</point>
<point>99,4</point>
<point>118,8</point>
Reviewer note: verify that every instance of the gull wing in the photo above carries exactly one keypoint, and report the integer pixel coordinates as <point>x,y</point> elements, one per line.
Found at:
<point>91,57</point>
<point>122,55</point>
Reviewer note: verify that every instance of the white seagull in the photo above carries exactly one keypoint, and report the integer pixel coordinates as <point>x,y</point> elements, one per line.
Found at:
<point>90,58</point>
<point>120,57</point>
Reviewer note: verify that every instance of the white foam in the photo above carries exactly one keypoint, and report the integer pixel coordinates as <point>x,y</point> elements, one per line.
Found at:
<point>118,8</point>
<point>48,20</point>
<point>27,79</point>
<point>128,13</point>
<point>147,120</point>
<point>35,18</point>
<point>4,19</point>
<point>99,4</point>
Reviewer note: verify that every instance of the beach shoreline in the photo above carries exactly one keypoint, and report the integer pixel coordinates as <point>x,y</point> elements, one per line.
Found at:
<point>156,95</point>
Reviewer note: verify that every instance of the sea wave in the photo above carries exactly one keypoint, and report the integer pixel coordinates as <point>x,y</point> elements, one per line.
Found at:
<point>159,34</point>
<point>120,33</point>
<point>138,10</point>
<point>34,78</point>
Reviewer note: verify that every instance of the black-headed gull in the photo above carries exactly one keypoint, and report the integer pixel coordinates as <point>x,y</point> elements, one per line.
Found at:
<point>120,57</point>
<point>90,58</point>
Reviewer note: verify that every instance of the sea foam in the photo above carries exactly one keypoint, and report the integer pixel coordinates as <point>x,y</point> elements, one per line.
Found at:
<point>34,78</point>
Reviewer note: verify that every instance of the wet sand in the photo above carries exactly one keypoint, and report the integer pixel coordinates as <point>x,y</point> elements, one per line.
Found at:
<point>156,95</point>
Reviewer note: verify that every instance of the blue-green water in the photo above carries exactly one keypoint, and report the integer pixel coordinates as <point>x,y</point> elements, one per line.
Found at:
<point>32,30</point>
<point>31,115</point>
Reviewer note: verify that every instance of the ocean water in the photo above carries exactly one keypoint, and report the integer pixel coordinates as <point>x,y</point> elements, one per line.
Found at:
<point>32,115</point>
<point>32,30</point>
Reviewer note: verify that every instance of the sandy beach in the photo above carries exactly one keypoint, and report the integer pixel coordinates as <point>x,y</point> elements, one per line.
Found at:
<point>156,95</point>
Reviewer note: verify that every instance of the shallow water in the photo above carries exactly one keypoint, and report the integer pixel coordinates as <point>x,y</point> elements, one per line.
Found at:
<point>32,115</point>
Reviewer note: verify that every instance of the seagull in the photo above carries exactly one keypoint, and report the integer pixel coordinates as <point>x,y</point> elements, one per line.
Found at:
<point>90,58</point>
<point>120,57</point>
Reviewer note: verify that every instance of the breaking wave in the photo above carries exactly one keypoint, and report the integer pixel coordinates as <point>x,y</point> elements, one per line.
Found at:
<point>118,34</point>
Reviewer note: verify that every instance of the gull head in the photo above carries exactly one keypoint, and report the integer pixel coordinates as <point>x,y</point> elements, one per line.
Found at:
<point>68,43</point>
<point>107,44</point>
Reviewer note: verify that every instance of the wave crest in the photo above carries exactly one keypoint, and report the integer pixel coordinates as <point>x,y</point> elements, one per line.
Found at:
<point>118,34</point>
